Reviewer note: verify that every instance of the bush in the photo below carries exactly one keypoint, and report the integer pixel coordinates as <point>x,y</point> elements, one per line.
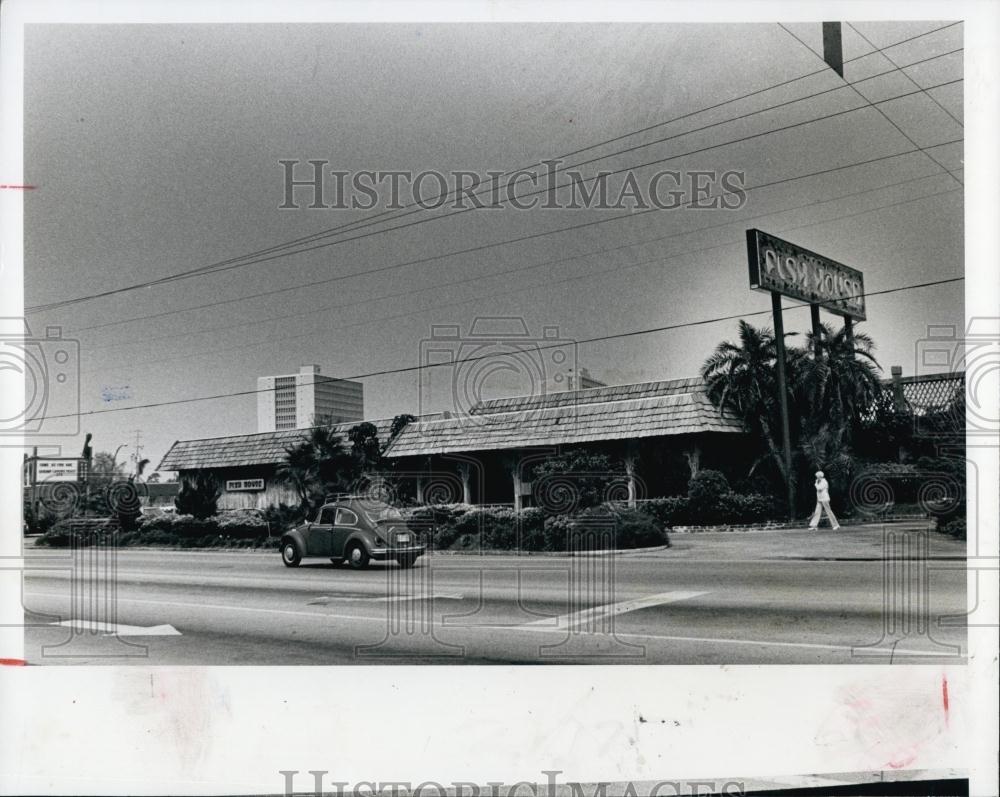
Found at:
<point>85,531</point>
<point>283,517</point>
<point>636,529</point>
<point>729,507</point>
<point>532,523</point>
<point>601,528</point>
<point>754,508</point>
<point>503,529</point>
<point>704,491</point>
<point>672,511</point>
<point>436,524</point>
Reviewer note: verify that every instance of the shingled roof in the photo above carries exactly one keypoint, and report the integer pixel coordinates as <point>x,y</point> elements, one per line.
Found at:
<point>592,395</point>
<point>648,409</point>
<point>263,448</point>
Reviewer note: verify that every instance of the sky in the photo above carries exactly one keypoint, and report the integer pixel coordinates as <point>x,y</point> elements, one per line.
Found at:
<point>155,149</point>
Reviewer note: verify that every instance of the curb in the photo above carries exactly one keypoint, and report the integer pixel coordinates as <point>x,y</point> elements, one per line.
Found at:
<point>802,525</point>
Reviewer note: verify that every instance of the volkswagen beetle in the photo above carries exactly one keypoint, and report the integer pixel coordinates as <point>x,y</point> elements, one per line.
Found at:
<point>353,530</point>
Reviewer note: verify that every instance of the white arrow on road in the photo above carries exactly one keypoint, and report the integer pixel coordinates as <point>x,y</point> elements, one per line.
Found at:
<point>116,629</point>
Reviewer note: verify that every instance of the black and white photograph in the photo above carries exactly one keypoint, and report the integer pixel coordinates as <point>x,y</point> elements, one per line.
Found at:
<point>408,354</point>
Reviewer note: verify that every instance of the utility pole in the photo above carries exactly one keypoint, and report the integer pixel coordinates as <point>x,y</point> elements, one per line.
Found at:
<point>137,450</point>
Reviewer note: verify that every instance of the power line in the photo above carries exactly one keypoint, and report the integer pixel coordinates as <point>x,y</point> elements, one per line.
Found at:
<point>875,105</point>
<point>573,278</point>
<point>415,208</point>
<point>533,236</point>
<point>362,223</point>
<point>264,294</point>
<point>532,267</point>
<point>658,161</point>
<point>460,361</point>
<point>748,189</point>
<point>232,264</point>
<point>905,74</point>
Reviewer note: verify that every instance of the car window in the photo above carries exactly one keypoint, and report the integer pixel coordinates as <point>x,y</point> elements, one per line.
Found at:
<point>383,513</point>
<point>345,517</point>
<point>326,515</point>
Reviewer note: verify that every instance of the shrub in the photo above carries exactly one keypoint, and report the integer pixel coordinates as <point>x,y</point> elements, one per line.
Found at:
<point>436,524</point>
<point>532,529</point>
<point>704,491</point>
<point>672,511</point>
<point>283,517</point>
<point>601,528</point>
<point>38,523</point>
<point>496,528</point>
<point>85,531</point>
<point>754,508</point>
<point>635,529</point>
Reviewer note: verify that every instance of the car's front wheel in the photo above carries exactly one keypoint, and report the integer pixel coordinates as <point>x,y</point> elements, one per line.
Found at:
<point>406,560</point>
<point>290,553</point>
<point>357,556</point>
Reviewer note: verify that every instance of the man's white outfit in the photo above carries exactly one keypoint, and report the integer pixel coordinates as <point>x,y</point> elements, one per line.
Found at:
<point>823,504</point>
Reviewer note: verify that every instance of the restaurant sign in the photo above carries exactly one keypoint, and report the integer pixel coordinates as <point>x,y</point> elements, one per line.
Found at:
<point>244,485</point>
<point>783,267</point>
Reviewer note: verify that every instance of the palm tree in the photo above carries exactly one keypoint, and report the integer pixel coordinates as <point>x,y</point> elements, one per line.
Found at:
<point>741,378</point>
<point>298,471</point>
<point>317,466</point>
<point>836,386</point>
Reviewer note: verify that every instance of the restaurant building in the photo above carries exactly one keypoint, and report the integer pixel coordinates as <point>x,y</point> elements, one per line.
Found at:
<point>486,455</point>
<point>661,432</point>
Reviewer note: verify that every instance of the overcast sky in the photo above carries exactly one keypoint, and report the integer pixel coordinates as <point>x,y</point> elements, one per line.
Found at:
<point>155,149</point>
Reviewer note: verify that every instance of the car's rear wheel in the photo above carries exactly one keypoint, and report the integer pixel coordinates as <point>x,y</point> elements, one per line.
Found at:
<point>406,561</point>
<point>290,553</point>
<point>357,556</point>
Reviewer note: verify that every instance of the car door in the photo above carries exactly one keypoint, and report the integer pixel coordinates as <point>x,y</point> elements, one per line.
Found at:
<point>346,524</point>
<point>321,532</point>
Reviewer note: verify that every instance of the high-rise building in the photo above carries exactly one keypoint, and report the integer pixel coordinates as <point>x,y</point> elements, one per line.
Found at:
<point>298,401</point>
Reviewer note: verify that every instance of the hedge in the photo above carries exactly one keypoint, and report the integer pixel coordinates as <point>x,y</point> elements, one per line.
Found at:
<point>184,531</point>
<point>460,526</point>
<point>729,507</point>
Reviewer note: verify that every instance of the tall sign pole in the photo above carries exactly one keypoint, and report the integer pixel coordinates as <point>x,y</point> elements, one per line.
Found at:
<point>786,437</point>
<point>782,268</point>
<point>817,330</point>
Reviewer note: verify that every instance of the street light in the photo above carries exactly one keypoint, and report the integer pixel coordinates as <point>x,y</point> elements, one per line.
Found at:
<point>114,458</point>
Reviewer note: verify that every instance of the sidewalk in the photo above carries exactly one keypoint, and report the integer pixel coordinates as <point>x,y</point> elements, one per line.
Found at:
<point>862,543</point>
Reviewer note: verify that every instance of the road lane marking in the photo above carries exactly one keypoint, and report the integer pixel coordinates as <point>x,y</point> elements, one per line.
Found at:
<point>528,628</point>
<point>323,600</point>
<point>597,614</point>
<point>117,629</point>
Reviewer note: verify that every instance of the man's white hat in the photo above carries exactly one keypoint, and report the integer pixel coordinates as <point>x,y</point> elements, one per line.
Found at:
<point>819,474</point>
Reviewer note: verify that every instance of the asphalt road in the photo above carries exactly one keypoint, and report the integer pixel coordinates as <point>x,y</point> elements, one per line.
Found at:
<point>738,598</point>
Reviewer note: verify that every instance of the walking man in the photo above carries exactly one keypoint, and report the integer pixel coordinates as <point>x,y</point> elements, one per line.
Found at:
<point>822,503</point>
